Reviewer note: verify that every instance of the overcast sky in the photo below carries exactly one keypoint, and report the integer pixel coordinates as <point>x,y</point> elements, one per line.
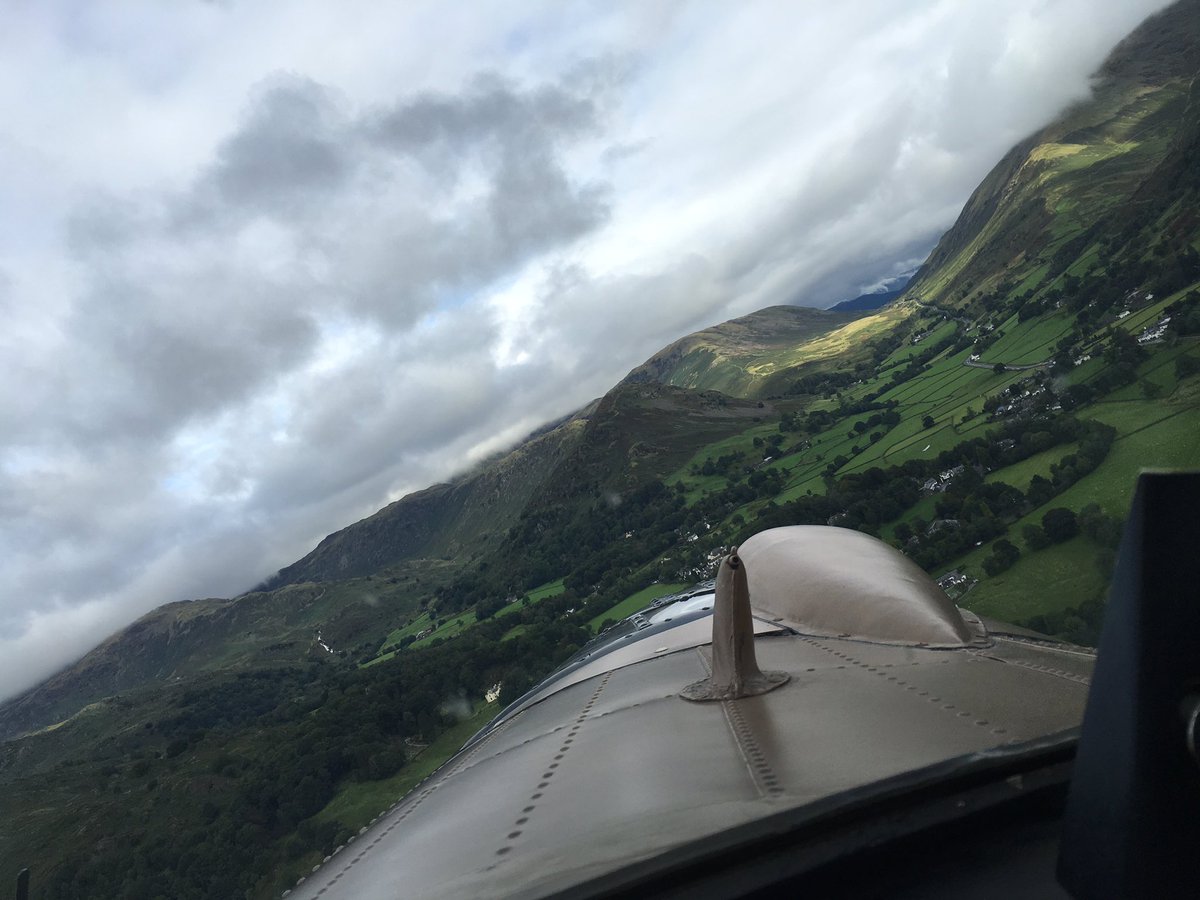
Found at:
<point>266,266</point>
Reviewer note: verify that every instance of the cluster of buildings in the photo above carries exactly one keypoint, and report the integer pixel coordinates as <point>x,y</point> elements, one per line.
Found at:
<point>1027,401</point>
<point>1155,332</point>
<point>941,525</point>
<point>955,583</point>
<point>942,481</point>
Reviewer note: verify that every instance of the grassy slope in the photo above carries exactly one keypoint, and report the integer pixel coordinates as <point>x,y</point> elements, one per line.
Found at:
<point>634,603</point>
<point>457,624</point>
<point>756,355</point>
<point>1152,435</point>
<point>1057,182</point>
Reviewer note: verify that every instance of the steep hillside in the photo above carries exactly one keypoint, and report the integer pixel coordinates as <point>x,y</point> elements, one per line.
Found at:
<point>349,590</point>
<point>448,520</point>
<point>1044,205</point>
<point>290,626</point>
<point>643,431</point>
<point>736,357</point>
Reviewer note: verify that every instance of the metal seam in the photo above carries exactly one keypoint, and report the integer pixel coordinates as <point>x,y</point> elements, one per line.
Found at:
<point>518,826</point>
<point>1045,670</point>
<point>903,683</point>
<point>762,776</point>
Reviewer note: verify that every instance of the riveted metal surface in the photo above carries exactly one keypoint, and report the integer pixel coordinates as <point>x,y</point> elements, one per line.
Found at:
<point>880,654</point>
<point>973,686</point>
<point>1072,663</point>
<point>629,686</point>
<point>683,637</point>
<point>543,720</point>
<point>617,768</point>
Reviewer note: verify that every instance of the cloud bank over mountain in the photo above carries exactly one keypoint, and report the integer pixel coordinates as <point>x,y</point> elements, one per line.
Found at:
<point>267,266</point>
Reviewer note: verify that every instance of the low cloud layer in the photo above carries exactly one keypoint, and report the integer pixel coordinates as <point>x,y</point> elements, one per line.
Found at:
<point>265,268</point>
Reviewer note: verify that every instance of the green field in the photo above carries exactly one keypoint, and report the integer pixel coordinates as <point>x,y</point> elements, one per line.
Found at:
<point>922,509</point>
<point>1159,370</point>
<point>1064,576</point>
<point>1171,440</point>
<point>1159,433</point>
<point>935,330</point>
<point>547,590</point>
<point>695,485</point>
<point>1026,343</point>
<point>1049,580</point>
<point>634,602</point>
<point>1020,474</point>
<point>448,629</point>
<point>459,623</point>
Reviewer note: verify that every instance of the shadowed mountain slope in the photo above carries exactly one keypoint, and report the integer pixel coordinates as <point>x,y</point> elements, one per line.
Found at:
<point>1048,200</point>
<point>465,516</point>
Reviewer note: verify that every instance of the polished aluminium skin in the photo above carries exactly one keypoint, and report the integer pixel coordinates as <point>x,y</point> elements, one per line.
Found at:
<point>591,773</point>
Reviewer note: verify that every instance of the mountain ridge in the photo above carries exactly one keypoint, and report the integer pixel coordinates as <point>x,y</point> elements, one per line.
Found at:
<point>864,302</point>
<point>720,357</point>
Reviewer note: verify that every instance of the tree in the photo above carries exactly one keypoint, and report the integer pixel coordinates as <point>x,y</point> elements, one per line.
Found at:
<point>1035,537</point>
<point>1103,529</point>
<point>1185,366</point>
<point>515,684</point>
<point>928,422</point>
<point>487,608</point>
<point>1004,554</point>
<point>1039,491</point>
<point>1060,524</point>
<point>999,368</point>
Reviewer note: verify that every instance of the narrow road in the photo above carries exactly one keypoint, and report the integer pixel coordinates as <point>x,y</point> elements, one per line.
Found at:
<point>983,365</point>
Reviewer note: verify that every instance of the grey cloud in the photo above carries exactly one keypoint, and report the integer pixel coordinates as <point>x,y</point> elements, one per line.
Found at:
<point>437,127</point>
<point>196,307</point>
<point>176,325</point>
<point>513,136</point>
<point>103,224</point>
<point>592,324</point>
<point>409,398</point>
<point>534,204</point>
<point>155,356</point>
<point>289,154</point>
